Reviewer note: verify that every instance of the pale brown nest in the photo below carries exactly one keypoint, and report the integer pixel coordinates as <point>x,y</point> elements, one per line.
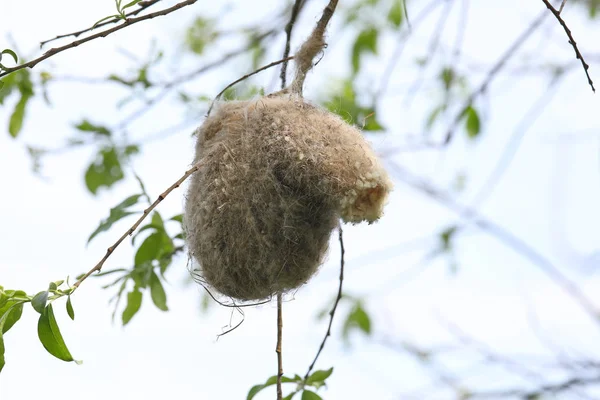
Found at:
<point>277,173</point>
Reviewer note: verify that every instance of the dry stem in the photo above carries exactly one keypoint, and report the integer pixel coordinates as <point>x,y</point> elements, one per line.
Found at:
<point>278,348</point>
<point>128,22</point>
<point>264,67</point>
<point>585,65</point>
<point>288,38</point>
<point>335,304</point>
<point>137,223</point>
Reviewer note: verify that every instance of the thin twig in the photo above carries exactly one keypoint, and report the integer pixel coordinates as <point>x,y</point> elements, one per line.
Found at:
<point>505,236</point>
<point>492,73</point>
<point>585,65</point>
<point>264,67</point>
<point>288,38</point>
<point>335,304</point>
<point>128,22</point>
<point>562,5</point>
<point>130,231</point>
<point>278,348</point>
<point>143,5</point>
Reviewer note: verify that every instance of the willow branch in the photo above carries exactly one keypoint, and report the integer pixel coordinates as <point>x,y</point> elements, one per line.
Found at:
<point>335,304</point>
<point>578,54</point>
<point>143,5</point>
<point>129,232</point>
<point>128,22</point>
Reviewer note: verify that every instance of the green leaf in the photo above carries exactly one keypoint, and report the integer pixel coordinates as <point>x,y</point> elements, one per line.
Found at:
<point>39,301</point>
<point>308,395</point>
<point>200,34</point>
<point>157,292</point>
<point>396,14</point>
<point>131,4</point>
<point>87,126</point>
<point>433,116</point>
<point>105,171</point>
<point>10,53</point>
<point>446,237</point>
<point>50,335</point>
<point>254,391</point>
<point>134,302</point>
<point>178,218</point>
<point>2,360</point>
<point>105,19</point>
<point>290,396</point>
<point>16,118</point>
<point>70,310</point>
<point>448,76</point>
<point>318,378</point>
<point>357,318</point>
<point>10,314</point>
<point>472,123</point>
<point>366,41</point>
<point>270,382</point>
<point>116,213</point>
<point>150,249</point>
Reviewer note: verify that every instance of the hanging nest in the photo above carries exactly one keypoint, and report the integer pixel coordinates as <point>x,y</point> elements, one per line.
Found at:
<point>275,176</point>
<point>277,173</point>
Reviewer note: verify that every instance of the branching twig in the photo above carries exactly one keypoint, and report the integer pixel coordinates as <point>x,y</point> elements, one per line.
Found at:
<point>492,73</point>
<point>128,22</point>
<point>585,65</point>
<point>288,38</point>
<point>137,223</point>
<point>335,304</point>
<point>562,5</point>
<point>143,5</point>
<point>278,348</point>
<point>264,67</point>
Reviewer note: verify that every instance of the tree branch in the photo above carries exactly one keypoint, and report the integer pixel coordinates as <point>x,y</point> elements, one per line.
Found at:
<point>335,304</point>
<point>143,5</point>
<point>128,22</point>
<point>130,231</point>
<point>578,55</point>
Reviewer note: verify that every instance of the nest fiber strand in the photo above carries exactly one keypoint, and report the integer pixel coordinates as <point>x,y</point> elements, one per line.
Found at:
<point>277,173</point>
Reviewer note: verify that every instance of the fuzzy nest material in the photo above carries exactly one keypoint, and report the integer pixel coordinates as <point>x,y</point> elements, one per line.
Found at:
<point>276,175</point>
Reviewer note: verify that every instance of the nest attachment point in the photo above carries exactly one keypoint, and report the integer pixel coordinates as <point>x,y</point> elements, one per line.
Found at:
<point>277,173</point>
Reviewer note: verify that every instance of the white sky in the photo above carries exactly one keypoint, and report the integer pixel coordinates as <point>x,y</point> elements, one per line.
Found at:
<point>549,197</point>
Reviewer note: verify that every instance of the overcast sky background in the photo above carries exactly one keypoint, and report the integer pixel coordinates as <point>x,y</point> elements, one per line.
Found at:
<point>549,196</point>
